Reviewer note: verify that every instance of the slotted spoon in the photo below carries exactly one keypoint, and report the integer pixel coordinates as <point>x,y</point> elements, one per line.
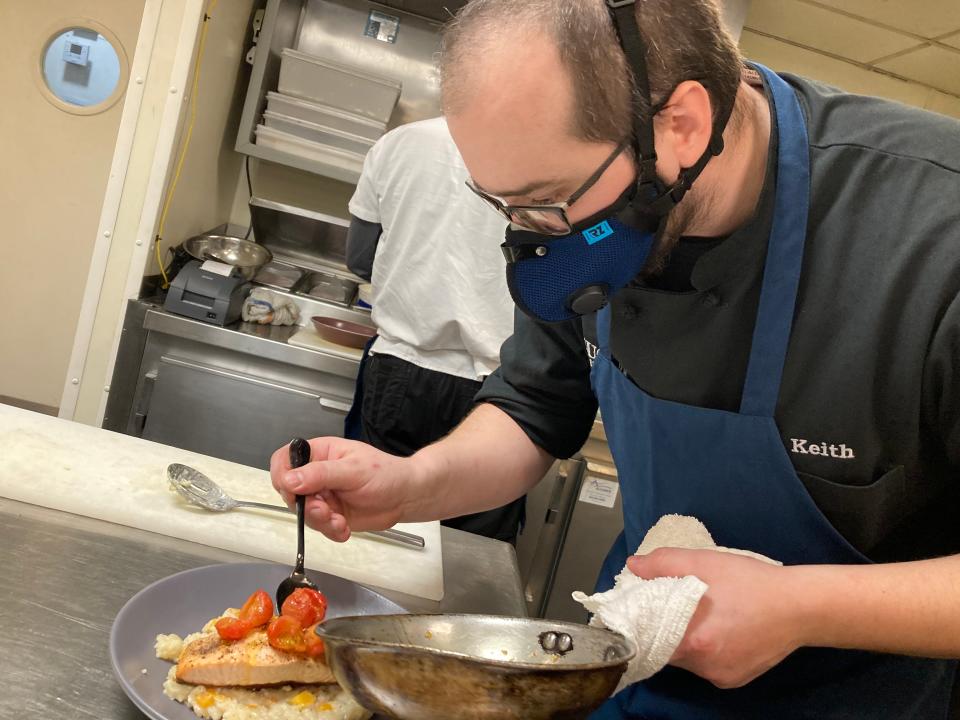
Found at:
<point>197,489</point>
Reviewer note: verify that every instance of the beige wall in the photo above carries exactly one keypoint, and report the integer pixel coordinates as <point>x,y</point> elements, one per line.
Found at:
<point>52,180</point>
<point>205,194</point>
<point>207,187</point>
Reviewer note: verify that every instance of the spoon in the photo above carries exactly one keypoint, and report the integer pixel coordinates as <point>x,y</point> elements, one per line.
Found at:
<point>197,489</point>
<point>299,456</point>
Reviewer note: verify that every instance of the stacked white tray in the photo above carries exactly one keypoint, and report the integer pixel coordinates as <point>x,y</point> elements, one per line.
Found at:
<point>326,115</point>
<point>346,88</point>
<point>326,111</point>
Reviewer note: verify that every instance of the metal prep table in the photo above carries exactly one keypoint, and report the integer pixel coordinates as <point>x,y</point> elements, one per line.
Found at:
<point>241,391</point>
<point>65,577</point>
<point>237,392</point>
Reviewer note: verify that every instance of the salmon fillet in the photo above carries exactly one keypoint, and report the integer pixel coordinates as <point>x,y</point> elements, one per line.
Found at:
<point>208,660</point>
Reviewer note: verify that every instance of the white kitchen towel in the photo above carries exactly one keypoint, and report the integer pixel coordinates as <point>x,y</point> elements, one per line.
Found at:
<point>268,308</point>
<point>655,613</point>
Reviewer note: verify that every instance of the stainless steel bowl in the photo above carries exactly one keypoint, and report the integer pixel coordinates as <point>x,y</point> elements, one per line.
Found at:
<point>438,667</point>
<point>246,256</point>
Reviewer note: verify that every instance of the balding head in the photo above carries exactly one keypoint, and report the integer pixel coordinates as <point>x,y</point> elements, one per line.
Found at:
<point>684,41</point>
<point>494,47</point>
<point>537,93</point>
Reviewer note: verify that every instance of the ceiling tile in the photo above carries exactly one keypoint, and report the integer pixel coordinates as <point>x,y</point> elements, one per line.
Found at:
<point>931,65</point>
<point>953,40</point>
<point>929,18</point>
<point>943,104</point>
<point>782,56</point>
<point>823,29</point>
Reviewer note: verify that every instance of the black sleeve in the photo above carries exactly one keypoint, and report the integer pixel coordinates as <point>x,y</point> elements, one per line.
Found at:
<point>941,400</point>
<point>362,239</point>
<point>543,383</point>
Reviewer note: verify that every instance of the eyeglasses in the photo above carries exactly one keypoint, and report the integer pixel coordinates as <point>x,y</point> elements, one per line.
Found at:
<point>548,219</point>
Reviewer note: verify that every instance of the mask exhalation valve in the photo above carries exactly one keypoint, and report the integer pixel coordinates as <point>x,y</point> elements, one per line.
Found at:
<point>589,298</point>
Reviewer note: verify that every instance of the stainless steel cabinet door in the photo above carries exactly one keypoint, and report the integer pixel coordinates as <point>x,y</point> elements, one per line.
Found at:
<point>233,416</point>
<point>549,505</point>
<point>595,522</point>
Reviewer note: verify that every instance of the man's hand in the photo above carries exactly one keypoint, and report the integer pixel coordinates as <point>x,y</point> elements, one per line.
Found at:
<point>748,621</point>
<point>754,614</point>
<point>487,461</point>
<point>349,486</point>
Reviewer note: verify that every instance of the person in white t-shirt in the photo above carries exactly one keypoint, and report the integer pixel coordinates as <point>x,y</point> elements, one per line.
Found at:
<point>439,297</point>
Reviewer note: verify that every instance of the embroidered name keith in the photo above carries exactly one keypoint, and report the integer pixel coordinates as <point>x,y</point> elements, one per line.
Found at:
<point>805,447</point>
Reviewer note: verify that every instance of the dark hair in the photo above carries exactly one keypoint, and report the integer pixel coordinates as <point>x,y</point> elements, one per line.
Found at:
<point>685,40</point>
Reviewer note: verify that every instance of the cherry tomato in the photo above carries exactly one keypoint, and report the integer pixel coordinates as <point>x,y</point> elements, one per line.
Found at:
<point>231,628</point>
<point>307,605</point>
<point>286,633</point>
<point>313,642</point>
<point>257,610</point>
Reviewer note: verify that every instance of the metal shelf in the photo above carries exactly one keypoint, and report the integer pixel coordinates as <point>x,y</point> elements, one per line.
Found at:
<point>333,29</point>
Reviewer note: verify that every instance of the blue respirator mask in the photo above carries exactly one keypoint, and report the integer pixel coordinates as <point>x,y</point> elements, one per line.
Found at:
<point>557,277</point>
<point>557,270</point>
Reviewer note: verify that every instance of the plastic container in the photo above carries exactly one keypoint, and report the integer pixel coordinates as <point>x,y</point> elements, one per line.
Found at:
<point>324,115</point>
<point>285,142</point>
<point>340,86</point>
<point>317,133</point>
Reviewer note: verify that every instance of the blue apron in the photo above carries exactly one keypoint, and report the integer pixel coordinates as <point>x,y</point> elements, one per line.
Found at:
<point>732,471</point>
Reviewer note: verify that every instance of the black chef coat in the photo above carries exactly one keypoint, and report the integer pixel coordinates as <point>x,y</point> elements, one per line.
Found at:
<point>869,407</point>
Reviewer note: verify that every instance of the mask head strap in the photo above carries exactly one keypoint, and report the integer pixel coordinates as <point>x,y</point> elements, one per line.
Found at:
<point>660,198</point>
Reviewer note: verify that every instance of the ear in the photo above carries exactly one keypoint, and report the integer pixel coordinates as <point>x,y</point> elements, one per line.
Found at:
<point>683,127</point>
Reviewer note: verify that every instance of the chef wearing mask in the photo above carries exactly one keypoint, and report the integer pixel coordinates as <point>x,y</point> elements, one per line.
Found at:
<point>757,277</point>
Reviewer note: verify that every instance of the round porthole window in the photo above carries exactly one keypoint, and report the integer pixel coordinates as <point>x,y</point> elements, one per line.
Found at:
<point>83,69</point>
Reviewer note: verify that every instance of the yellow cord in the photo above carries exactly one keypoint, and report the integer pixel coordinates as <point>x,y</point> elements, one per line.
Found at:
<point>186,142</point>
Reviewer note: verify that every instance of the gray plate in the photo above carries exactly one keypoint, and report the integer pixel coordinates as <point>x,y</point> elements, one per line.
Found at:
<point>183,603</point>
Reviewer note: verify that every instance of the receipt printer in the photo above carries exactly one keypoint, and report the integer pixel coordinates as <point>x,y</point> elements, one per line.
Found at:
<point>201,291</point>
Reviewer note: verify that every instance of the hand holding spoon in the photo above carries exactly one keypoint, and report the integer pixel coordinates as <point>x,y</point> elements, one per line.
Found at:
<point>299,456</point>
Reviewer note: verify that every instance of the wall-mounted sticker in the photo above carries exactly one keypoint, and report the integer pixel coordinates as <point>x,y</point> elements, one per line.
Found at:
<point>598,491</point>
<point>382,27</point>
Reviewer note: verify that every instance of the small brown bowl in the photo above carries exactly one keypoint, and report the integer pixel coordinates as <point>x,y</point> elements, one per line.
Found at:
<point>343,332</point>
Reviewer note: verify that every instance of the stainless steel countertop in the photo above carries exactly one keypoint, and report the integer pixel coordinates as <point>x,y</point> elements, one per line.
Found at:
<point>66,577</point>
<point>268,341</point>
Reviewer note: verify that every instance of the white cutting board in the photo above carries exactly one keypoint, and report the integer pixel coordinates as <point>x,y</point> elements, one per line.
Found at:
<point>122,479</point>
<point>310,339</point>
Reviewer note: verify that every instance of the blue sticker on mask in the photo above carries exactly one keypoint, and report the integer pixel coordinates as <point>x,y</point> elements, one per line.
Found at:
<point>597,233</point>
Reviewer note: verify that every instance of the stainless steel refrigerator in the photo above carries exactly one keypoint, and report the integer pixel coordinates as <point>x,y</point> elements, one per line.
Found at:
<point>573,516</point>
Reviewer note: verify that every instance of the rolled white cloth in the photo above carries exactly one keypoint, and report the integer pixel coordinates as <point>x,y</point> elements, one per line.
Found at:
<point>655,613</point>
<point>269,308</point>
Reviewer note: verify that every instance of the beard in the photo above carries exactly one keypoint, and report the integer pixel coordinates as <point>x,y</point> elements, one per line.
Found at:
<point>686,215</point>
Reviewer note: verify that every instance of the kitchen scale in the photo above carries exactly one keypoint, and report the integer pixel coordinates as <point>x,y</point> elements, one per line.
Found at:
<point>211,291</point>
